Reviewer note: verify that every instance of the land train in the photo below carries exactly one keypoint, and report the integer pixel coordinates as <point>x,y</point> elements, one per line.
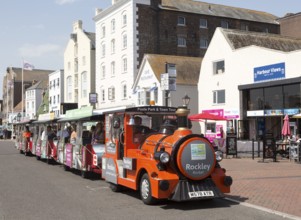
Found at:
<point>160,156</point>
<point>150,149</point>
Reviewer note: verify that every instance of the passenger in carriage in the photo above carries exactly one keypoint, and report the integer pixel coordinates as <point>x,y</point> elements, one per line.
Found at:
<point>73,135</point>
<point>26,135</point>
<point>50,133</point>
<point>98,136</point>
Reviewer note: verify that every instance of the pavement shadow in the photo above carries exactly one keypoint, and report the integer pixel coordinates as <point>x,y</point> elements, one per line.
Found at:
<point>237,198</point>
<point>185,205</point>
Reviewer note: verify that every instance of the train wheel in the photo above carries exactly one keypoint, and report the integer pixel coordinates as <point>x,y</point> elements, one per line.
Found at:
<point>146,190</point>
<point>21,151</point>
<point>115,187</point>
<point>84,174</point>
<point>38,157</point>
<point>66,168</point>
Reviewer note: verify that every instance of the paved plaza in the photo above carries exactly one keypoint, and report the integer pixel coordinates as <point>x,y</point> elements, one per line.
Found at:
<point>275,186</point>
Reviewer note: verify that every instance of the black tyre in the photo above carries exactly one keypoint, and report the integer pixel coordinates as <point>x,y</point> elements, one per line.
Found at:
<point>146,190</point>
<point>66,168</point>
<point>84,174</point>
<point>115,187</point>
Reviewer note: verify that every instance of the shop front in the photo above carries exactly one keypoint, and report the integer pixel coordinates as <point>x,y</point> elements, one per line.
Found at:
<point>264,106</point>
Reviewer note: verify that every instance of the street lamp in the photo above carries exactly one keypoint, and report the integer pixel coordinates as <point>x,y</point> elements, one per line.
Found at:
<point>182,113</point>
<point>186,100</point>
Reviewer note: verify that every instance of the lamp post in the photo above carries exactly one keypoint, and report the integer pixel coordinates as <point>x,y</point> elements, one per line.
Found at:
<point>186,100</point>
<point>182,113</point>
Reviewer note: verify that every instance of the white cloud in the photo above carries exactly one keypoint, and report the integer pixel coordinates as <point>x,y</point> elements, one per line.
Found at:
<point>29,50</point>
<point>63,2</point>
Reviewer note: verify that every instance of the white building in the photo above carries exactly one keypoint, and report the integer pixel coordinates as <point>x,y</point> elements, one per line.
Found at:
<point>33,98</point>
<point>56,92</point>
<point>253,79</point>
<point>150,90</point>
<point>116,53</point>
<point>79,66</point>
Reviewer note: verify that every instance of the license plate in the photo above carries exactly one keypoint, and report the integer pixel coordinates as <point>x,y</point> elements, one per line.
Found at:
<point>200,194</point>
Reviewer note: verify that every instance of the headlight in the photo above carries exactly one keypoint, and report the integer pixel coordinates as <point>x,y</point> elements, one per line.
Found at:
<point>219,155</point>
<point>164,157</point>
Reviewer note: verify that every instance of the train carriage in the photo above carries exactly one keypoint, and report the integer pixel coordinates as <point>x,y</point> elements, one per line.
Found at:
<point>45,147</point>
<point>22,143</point>
<point>81,153</point>
<point>162,162</point>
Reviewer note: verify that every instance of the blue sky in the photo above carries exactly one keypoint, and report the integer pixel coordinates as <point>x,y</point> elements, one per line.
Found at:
<point>38,30</point>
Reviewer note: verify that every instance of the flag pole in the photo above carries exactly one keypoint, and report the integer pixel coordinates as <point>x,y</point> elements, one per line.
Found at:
<point>22,89</point>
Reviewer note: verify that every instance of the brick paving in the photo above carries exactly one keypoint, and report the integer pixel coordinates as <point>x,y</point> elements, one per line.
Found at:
<point>268,184</point>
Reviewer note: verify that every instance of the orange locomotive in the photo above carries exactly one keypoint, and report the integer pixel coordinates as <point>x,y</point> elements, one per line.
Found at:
<point>166,163</point>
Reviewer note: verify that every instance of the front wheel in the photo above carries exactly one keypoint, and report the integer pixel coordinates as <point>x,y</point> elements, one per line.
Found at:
<point>146,190</point>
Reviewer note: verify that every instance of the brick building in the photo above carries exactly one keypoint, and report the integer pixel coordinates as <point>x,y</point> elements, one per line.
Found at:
<point>289,25</point>
<point>12,88</point>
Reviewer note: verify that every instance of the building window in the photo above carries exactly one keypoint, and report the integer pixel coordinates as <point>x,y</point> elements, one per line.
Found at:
<point>143,97</point>
<point>181,41</point>
<point>69,87</point>
<point>112,68</point>
<point>58,98</point>
<point>124,41</point>
<point>84,86</point>
<point>27,105</point>
<point>203,23</point>
<point>113,46</point>
<point>103,71</point>
<point>219,67</point>
<point>219,97</point>
<point>204,43</point>
<point>244,27</point>
<point>225,24</point>
<point>54,100</point>
<point>124,19</point>
<point>113,25</point>
<point>124,91</point>
<point>50,101</point>
<point>211,127</point>
<point>83,60</point>
<point>32,104</point>
<point>103,95</point>
<point>50,85</point>
<point>103,31</point>
<point>181,21</point>
<point>111,93</point>
<point>124,65</point>
<point>58,82</point>
<point>103,50</point>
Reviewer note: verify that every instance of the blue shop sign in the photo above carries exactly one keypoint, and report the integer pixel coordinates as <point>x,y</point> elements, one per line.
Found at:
<point>270,72</point>
<point>291,111</point>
